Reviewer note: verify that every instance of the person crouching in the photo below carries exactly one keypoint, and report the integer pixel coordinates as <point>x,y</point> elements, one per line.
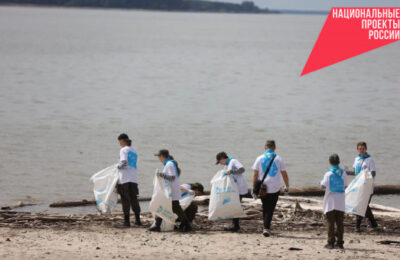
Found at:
<point>334,182</point>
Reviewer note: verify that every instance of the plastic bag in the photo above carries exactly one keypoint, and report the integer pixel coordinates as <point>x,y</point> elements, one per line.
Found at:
<point>185,203</point>
<point>161,203</point>
<point>224,198</point>
<point>358,193</point>
<point>161,200</point>
<point>104,190</point>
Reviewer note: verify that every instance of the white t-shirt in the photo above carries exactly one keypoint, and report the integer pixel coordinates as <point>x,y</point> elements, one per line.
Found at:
<point>170,169</point>
<point>273,182</point>
<point>239,178</point>
<point>129,173</point>
<point>333,200</point>
<point>367,164</point>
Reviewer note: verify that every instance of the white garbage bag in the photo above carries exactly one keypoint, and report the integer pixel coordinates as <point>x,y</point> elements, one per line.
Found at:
<point>104,189</point>
<point>161,203</point>
<point>358,193</point>
<point>161,200</point>
<point>224,198</point>
<point>185,202</point>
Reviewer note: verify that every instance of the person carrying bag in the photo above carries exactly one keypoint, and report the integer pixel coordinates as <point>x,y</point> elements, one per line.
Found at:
<point>268,169</point>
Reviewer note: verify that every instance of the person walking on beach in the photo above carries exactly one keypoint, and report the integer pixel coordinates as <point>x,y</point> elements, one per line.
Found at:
<point>334,183</point>
<point>272,182</point>
<point>236,169</point>
<point>364,162</point>
<point>127,185</point>
<point>171,173</point>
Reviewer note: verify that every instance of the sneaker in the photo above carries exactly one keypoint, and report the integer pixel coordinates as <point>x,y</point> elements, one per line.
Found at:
<point>155,229</point>
<point>232,229</point>
<point>339,246</point>
<point>185,228</point>
<point>266,232</point>
<point>138,222</point>
<point>329,246</point>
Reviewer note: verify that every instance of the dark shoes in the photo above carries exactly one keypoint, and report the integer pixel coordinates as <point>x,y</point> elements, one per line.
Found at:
<point>232,229</point>
<point>155,229</point>
<point>357,230</point>
<point>266,232</point>
<point>127,223</point>
<point>339,246</point>
<point>185,227</point>
<point>329,246</point>
<point>138,222</point>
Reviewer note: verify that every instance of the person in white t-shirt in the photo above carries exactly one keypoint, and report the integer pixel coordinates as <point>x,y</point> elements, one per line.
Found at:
<point>364,162</point>
<point>171,174</point>
<point>236,169</point>
<point>128,180</point>
<point>272,181</point>
<point>334,183</point>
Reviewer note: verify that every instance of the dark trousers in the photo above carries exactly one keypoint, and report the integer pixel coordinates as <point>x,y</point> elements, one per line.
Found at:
<point>177,209</point>
<point>268,205</point>
<point>369,215</point>
<point>129,192</point>
<point>235,221</point>
<point>191,211</point>
<point>333,217</point>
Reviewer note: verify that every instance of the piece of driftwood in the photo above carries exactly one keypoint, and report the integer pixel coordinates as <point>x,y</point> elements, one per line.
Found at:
<point>203,200</point>
<point>59,204</point>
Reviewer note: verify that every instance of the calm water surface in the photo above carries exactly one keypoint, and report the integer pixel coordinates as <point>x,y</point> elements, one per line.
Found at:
<point>71,80</point>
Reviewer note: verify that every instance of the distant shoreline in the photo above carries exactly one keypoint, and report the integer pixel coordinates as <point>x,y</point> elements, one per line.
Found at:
<point>247,7</point>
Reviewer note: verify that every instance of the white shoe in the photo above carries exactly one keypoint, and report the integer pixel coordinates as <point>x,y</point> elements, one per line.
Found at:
<point>266,232</point>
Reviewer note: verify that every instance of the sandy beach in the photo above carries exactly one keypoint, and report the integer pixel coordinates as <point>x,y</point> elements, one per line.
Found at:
<point>298,229</point>
<point>112,243</point>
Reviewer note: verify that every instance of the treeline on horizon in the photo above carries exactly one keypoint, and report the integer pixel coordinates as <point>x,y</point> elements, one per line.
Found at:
<point>168,5</point>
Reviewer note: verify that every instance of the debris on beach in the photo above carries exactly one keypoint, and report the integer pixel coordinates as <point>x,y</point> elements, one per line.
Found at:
<point>291,214</point>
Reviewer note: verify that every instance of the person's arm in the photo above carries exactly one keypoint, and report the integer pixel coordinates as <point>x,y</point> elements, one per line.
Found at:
<point>237,171</point>
<point>167,173</point>
<point>255,177</point>
<point>285,179</point>
<point>123,160</point>
<point>166,176</point>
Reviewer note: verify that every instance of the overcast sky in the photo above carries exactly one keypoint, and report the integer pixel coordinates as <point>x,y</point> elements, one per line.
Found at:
<point>322,5</point>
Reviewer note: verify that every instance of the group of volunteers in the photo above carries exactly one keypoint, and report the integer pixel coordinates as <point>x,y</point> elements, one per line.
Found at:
<point>268,169</point>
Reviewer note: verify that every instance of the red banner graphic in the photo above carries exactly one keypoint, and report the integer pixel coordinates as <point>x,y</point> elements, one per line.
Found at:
<point>349,32</point>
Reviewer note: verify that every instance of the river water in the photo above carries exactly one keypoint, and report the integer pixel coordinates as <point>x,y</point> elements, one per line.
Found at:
<point>71,80</point>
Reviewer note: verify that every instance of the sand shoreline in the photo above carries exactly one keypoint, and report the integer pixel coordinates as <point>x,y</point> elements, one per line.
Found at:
<point>117,243</point>
<point>298,229</point>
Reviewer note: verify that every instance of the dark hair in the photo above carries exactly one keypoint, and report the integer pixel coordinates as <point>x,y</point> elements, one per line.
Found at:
<point>197,186</point>
<point>270,144</point>
<point>220,156</point>
<point>125,137</point>
<point>165,153</point>
<point>362,144</point>
<point>334,159</point>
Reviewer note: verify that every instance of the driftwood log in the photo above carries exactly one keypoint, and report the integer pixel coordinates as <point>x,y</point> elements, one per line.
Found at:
<point>294,191</point>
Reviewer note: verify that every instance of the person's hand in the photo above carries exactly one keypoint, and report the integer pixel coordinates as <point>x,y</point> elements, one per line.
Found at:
<point>227,172</point>
<point>158,173</point>
<point>286,190</point>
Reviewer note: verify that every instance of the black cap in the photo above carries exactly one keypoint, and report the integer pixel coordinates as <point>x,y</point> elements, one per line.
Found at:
<point>220,156</point>
<point>163,153</point>
<point>123,137</point>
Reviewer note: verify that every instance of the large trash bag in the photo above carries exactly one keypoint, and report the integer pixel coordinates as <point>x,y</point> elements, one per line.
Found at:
<point>161,203</point>
<point>161,200</point>
<point>224,198</point>
<point>358,193</point>
<point>104,189</point>
<point>185,202</point>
